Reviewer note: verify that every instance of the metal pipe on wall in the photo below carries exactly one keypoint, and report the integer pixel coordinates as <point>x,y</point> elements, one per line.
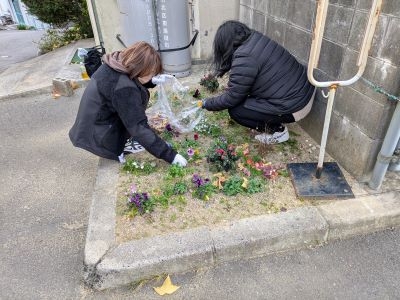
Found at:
<point>385,155</point>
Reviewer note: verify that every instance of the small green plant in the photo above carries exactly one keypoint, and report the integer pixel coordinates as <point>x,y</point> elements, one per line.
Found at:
<point>208,128</point>
<point>233,186</point>
<point>56,38</point>
<point>175,171</point>
<point>255,185</point>
<point>23,27</point>
<point>139,168</point>
<point>180,188</point>
<point>210,82</point>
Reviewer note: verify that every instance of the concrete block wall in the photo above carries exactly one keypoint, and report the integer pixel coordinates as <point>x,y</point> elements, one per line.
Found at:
<point>361,115</point>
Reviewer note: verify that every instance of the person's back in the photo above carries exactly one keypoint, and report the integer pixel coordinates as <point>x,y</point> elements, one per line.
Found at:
<point>267,86</point>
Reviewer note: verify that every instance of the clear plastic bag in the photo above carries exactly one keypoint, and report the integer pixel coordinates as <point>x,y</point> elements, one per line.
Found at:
<point>175,106</point>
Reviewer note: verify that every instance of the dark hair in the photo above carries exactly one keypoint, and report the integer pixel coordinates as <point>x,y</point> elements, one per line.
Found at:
<point>229,36</point>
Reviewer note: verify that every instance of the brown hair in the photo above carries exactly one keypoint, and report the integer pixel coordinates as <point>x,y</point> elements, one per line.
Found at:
<point>141,59</point>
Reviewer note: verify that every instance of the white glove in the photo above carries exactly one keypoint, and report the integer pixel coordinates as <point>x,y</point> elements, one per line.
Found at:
<point>179,160</point>
<point>162,78</point>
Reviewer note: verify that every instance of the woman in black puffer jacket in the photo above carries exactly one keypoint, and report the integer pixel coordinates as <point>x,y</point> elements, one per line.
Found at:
<point>113,106</point>
<point>267,86</point>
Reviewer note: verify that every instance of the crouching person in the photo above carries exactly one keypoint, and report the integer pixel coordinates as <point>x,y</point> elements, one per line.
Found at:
<point>112,107</point>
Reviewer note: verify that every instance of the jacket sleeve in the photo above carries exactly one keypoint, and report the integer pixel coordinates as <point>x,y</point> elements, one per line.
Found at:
<point>242,76</point>
<point>128,103</point>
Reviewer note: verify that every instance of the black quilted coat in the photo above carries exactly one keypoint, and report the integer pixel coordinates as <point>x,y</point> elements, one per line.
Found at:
<point>267,77</point>
<point>111,110</point>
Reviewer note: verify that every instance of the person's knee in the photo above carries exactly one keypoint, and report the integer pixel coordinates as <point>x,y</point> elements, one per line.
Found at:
<point>234,113</point>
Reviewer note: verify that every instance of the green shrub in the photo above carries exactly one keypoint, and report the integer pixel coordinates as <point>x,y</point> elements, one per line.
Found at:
<point>56,38</point>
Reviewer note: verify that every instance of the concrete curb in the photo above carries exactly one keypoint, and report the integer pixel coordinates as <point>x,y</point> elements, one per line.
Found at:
<point>110,265</point>
<point>29,93</point>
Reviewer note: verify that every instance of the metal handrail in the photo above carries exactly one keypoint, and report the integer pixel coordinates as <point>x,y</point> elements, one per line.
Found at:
<point>322,9</point>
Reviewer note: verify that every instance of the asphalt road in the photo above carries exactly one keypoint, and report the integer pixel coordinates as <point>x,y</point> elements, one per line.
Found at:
<point>18,46</point>
<point>45,186</point>
<point>366,267</point>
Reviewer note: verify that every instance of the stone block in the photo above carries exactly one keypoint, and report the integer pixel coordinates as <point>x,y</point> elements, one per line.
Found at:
<point>278,8</point>
<point>391,7</point>
<point>364,4</point>
<point>338,24</point>
<point>246,15</point>
<point>346,3</point>
<point>349,146</point>
<point>369,116</point>
<point>276,30</point>
<point>301,13</point>
<point>377,71</point>
<point>331,58</point>
<point>248,3</point>
<point>298,42</point>
<point>391,43</point>
<point>261,6</point>
<point>259,21</point>
<point>62,87</point>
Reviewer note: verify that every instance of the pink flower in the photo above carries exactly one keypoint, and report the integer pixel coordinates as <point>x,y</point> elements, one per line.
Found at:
<point>220,151</point>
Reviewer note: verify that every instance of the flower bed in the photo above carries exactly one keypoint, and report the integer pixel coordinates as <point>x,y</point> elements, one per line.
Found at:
<point>229,176</point>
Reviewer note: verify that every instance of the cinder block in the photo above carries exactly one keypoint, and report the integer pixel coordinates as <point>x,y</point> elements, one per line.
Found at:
<point>391,7</point>
<point>390,48</point>
<point>301,13</point>
<point>331,58</point>
<point>379,72</point>
<point>276,30</point>
<point>346,3</point>
<point>62,87</point>
<point>354,150</point>
<point>296,41</point>
<point>261,6</point>
<point>248,3</point>
<point>278,8</point>
<point>246,15</point>
<point>370,116</point>
<point>338,24</point>
<point>259,21</point>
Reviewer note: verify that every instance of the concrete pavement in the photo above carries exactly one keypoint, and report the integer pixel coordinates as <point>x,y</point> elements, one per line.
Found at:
<point>35,76</point>
<point>45,186</point>
<point>50,174</point>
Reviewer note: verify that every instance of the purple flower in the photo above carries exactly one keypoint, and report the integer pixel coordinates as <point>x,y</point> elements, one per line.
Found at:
<point>190,152</point>
<point>168,127</point>
<point>197,180</point>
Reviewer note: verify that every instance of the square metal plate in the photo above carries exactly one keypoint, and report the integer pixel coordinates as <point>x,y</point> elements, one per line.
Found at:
<point>331,185</point>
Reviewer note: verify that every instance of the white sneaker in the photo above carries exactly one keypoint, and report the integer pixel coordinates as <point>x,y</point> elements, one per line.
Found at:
<point>275,138</point>
<point>133,147</point>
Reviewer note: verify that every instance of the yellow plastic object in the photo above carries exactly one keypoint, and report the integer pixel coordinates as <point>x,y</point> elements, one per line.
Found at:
<point>84,74</point>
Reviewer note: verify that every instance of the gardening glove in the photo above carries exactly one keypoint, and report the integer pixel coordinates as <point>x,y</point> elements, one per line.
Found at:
<point>179,160</point>
<point>162,78</point>
<point>201,103</point>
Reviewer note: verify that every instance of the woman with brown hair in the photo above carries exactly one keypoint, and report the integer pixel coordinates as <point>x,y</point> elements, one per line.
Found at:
<point>112,107</point>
